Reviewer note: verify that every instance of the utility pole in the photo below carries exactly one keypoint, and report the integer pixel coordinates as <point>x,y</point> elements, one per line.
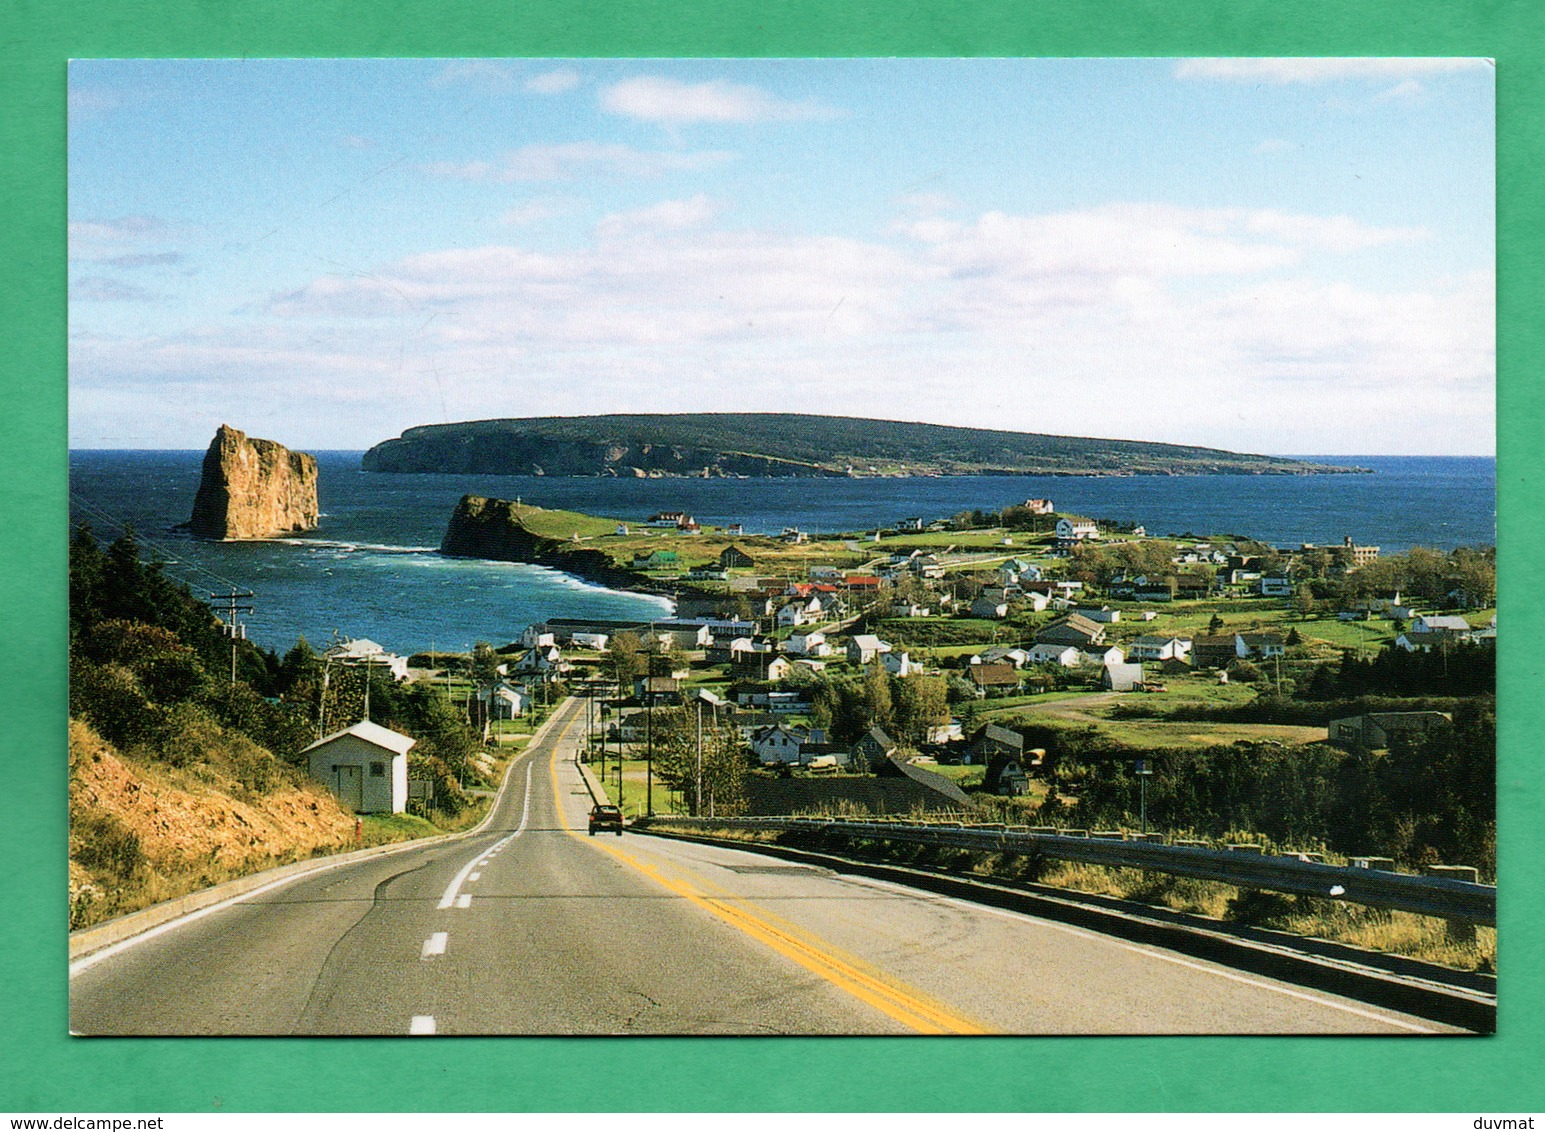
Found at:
<point>697,797</point>
<point>649,755</point>
<point>228,602</point>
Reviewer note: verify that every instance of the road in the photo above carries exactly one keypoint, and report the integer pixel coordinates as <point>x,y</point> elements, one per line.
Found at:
<point>531,927</point>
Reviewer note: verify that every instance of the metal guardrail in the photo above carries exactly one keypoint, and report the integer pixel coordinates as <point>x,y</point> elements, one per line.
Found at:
<point>1443,897</point>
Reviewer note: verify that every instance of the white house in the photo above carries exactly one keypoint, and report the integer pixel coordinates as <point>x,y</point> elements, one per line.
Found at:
<point>778,743</point>
<point>1121,677</point>
<point>1104,655</point>
<point>545,662</point>
<point>1276,585</point>
<point>1002,654</point>
<point>899,663</point>
<point>1104,614</point>
<point>1259,645</point>
<point>1037,600</point>
<point>989,608</point>
<point>1067,656</point>
<point>809,643</point>
<point>537,637</point>
<point>508,700</point>
<point>366,766</point>
<point>363,652</point>
<point>596,641</point>
<point>1160,648</point>
<point>1076,528</point>
<point>864,647</point>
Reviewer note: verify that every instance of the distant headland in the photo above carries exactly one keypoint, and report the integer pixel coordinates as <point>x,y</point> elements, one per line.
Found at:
<point>791,444</point>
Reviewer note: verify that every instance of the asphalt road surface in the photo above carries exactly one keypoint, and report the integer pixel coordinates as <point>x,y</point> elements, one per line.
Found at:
<point>532,927</point>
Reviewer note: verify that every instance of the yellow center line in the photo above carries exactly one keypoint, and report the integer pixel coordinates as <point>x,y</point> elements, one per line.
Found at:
<point>903,1004</point>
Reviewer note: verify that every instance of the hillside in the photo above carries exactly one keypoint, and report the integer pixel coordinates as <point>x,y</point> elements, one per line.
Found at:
<point>181,776</point>
<point>788,444</point>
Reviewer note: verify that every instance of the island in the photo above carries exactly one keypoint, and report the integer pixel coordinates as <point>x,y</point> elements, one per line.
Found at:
<point>790,444</point>
<point>253,489</point>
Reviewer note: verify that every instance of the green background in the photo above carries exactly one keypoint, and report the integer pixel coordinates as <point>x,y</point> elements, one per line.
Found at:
<point>43,1069</point>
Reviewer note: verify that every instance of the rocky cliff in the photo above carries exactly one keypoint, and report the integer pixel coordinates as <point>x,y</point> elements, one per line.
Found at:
<point>253,488</point>
<point>493,528</point>
<point>788,444</point>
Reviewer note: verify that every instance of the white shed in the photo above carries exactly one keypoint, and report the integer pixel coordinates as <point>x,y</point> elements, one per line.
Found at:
<point>365,765</point>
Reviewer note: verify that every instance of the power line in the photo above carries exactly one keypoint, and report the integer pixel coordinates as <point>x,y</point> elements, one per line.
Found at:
<point>170,556</point>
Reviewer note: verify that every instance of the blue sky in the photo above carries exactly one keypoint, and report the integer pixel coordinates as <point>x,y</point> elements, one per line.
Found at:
<point>1265,255</point>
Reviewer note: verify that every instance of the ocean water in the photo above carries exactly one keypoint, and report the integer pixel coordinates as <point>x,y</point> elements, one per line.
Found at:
<point>372,570</point>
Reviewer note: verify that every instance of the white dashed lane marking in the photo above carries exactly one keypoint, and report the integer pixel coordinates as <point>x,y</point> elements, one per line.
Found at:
<point>434,945</point>
<point>422,1024</point>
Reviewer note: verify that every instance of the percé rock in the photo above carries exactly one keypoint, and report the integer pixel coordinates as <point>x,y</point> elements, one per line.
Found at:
<point>492,529</point>
<point>253,488</point>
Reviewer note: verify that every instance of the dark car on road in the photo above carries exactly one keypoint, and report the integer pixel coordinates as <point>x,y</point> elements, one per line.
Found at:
<point>605,817</point>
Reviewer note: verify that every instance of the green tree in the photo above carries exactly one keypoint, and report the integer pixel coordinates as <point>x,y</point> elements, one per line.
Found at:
<point>921,704</point>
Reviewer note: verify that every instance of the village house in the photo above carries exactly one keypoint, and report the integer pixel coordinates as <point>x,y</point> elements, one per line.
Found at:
<point>1067,656</point>
<point>1039,506</point>
<point>865,647</point>
<point>1104,615</point>
<point>1432,630</point>
<point>808,643</point>
<point>1259,646</point>
<point>542,663</point>
<point>1159,647</point>
<point>678,635</point>
<point>362,652</point>
<point>657,691</point>
<point>507,701</point>
<point>1076,529</point>
<point>1275,585</point>
<point>779,743</point>
<point>873,747</point>
<point>1074,629</point>
<point>538,637</point>
<point>1121,677</point>
<point>1002,654</point>
<point>991,609</point>
<point>733,558</point>
<point>899,664</point>
<point>1101,655</point>
<point>1213,652</point>
<point>1376,730</point>
<point>994,679</point>
<point>365,766</point>
<point>908,609</point>
<point>655,560</point>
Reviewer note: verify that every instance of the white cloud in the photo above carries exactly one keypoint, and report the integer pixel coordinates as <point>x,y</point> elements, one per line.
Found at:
<point>98,289</point>
<point>480,74</point>
<point>1275,145</point>
<point>553,82</point>
<point>566,161</point>
<point>667,101</point>
<point>1194,325</point>
<point>121,229</point>
<point>667,216</point>
<point>1320,70</point>
<point>534,210</point>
